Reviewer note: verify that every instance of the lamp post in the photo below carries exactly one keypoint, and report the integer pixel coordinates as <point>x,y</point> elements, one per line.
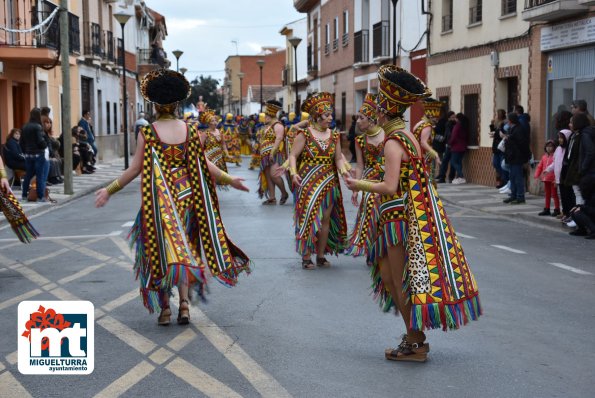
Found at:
<point>260,64</point>
<point>295,42</point>
<point>395,31</point>
<point>183,70</point>
<point>177,54</point>
<point>229,97</point>
<point>241,76</point>
<point>122,18</point>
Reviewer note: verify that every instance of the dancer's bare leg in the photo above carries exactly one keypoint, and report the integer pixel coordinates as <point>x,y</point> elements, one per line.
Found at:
<point>323,232</point>
<point>270,183</point>
<point>278,181</point>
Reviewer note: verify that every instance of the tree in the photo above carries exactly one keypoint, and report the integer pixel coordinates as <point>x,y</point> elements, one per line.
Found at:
<point>208,88</point>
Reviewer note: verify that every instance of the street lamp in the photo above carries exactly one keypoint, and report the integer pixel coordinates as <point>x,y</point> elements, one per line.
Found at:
<point>260,64</point>
<point>241,76</point>
<point>183,70</point>
<point>229,97</point>
<point>177,54</point>
<point>295,42</point>
<point>395,31</point>
<point>122,18</point>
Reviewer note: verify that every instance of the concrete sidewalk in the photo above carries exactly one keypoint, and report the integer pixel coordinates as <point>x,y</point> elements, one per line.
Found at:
<point>82,185</point>
<point>489,200</point>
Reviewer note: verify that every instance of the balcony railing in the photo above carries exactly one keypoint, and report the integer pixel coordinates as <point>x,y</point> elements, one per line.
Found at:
<point>93,40</point>
<point>475,14</point>
<point>152,56</point>
<point>380,39</point>
<point>327,48</point>
<point>508,7</point>
<point>335,44</point>
<point>537,3</point>
<point>361,49</point>
<point>109,41</point>
<point>551,10</point>
<point>21,15</point>
<point>446,23</point>
<point>345,39</point>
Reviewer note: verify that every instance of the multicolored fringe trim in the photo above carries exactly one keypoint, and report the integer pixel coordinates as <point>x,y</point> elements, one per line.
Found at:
<point>445,316</point>
<point>392,234</point>
<point>10,206</point>
<point>335,242</point>
<point>361,238</point>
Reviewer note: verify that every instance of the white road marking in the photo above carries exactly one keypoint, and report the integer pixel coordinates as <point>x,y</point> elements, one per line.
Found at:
<point>571,269</point>
<point>10,387</point>
<point>465,236</point>
<point>127,380</point>
<point>200,380</point>
<point>127,335</point>
<point>128,224</point>
<point>18,299</point>
<point>113,233</point>
<point>509,249</point>
<point>262,381</point>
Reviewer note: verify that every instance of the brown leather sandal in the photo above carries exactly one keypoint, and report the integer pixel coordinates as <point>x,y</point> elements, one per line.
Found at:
<point>184,313</point>
<point>322,262</point>
<point>408,352</point>
<point>164,317</point>
<point>270,202</point>
<point>283,199</point>
<point>308,264</point>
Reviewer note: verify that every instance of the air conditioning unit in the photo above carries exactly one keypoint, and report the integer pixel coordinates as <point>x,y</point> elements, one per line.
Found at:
<point>495,59</point>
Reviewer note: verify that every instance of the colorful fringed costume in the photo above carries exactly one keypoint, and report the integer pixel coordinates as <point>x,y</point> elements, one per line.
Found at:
<point>441,287</point>
<point>267,142</point>
<point>255,160</point>
<point>319,189</point>
<point>214,150</point>
<point>10,206</point>
<point>179,216</point>
<point>244,132</point>
<point>231,137</point>
<point>362,237</point>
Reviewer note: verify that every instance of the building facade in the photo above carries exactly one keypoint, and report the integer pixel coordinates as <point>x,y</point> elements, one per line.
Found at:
<point>479,60</point>
<point>287,96</point>
<point>30,70</point>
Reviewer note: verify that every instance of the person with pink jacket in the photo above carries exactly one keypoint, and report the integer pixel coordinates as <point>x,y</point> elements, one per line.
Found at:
<point>556,167</point>
<point>549,179</point>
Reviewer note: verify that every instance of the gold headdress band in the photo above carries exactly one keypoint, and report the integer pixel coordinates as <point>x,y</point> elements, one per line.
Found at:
<point>393,99</point>
<point>368,108</point>
<point>318,103</point>
<point>432,107</point>
<point>271,109</point>
<point>206,116</point>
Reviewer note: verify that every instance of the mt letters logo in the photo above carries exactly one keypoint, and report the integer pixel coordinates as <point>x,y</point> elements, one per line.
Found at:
<point>56,337</point>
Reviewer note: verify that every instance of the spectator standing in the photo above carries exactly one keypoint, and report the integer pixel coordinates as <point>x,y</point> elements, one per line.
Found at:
<point>13,154</point>
<point>458,146</point>
<point>351,137</point>
<point>517,153</point>
<point>545,173</point>
<point>439,142</point>
<point>566,195</point>
<point>444,167</point>
<point>85,123</point>
<point>496,127</point>
<point>584,215</point>
<point>524,119</point>
<point>34,146</point>
<point>140,123</point>
<point>54,175</point>
<point>580,106</point>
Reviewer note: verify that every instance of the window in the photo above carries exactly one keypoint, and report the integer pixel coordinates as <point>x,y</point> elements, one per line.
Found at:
<point>446,15</point>
<point>446,101</point>
<point>108,118</point>
<point>508,7</point>
<point>474,12</point>
<point>471,110</point>
<point>327,39</point>
<point>115,118</point>
<point>336,34</point>
<point>345,27</point>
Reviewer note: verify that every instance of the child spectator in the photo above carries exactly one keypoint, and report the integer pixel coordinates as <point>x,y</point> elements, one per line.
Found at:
<point>545,173</point>
<point>567,198</point>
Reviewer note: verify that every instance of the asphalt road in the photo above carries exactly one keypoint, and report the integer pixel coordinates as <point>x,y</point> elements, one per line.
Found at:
<point>287,332</point>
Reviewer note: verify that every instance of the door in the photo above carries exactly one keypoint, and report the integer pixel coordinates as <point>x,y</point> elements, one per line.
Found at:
<point>585,90</point>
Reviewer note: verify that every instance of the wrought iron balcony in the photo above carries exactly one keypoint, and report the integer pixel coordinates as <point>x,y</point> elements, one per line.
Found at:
<point>93,40</point>
<point>381,40</point>
<point>21,15</point>
<point>446,23</point>
<point>152,56</point>
<point>551,10</point>
<point>361,47</point>
<point>475,14</point>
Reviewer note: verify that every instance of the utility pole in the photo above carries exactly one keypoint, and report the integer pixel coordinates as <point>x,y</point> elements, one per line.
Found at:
<point>66,123</point>
<point>395,31</point>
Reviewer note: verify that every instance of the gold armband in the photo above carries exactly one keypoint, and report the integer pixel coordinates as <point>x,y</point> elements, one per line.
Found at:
<point>285,165</point>
<point>113,187</point>
<point>292,171</point>
<point>347,166</point>
<point>343,170</point>
<point>363,185</point>
<point>274,151</point>
<point>433,154</point>
<point>3,173</point>
<point>224,178</point>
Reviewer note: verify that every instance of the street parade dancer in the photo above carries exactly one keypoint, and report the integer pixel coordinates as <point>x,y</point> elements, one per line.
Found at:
<point>257,137</point>
<point>179,222</point>
<point>419,264</point>
<point>370,166</point>
<point>314,165</point>
<point>271,156</point>
<point>10,206</point>
<point>424,133</point>
<point>212,140</point>
<point>231,136</point>
<point>244,132</point>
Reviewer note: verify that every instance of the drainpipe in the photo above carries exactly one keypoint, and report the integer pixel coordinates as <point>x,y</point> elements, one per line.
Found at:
<point>424,12</point>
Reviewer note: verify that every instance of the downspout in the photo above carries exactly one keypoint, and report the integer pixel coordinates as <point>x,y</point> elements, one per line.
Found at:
<point>424,12</point>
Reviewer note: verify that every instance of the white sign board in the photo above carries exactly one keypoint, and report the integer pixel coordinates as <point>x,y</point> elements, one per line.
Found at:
<point>569,34</point>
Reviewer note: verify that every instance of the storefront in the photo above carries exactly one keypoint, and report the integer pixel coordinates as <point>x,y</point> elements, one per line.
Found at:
<point>570,52</point>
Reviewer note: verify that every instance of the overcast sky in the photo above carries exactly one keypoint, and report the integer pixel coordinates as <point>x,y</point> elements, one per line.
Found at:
<point>205,30</point>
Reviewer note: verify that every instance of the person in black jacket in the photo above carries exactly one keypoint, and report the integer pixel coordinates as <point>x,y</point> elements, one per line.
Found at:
<point>34,148</point>
<point>584,215</point>
<point>517,152</point>
<point>13,154</point>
